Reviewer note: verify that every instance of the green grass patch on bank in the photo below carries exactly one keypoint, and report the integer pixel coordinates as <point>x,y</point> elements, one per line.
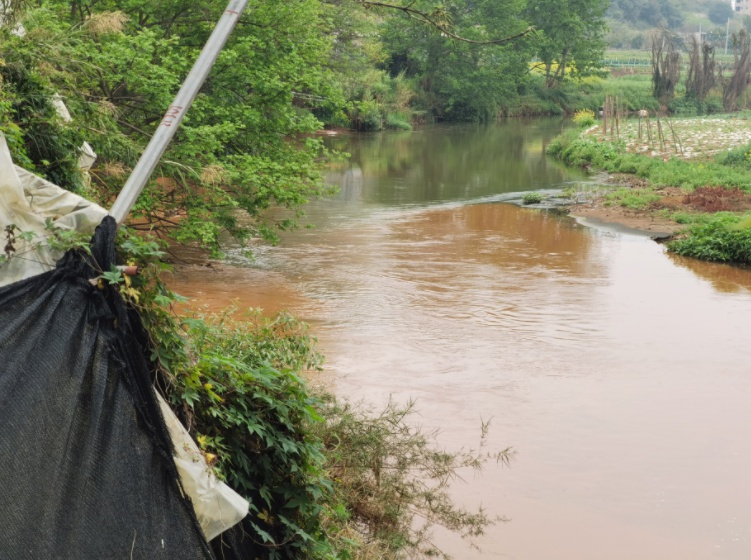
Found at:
<point>611,156</point>
<point>636,199</point>
<point>719,236</point>
<point>722,237</point>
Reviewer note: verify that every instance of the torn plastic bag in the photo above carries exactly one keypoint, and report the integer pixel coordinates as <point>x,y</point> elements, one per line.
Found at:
<point>86,460</point>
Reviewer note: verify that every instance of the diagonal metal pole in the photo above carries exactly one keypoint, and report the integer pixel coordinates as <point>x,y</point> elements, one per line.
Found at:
<point>174,115</point>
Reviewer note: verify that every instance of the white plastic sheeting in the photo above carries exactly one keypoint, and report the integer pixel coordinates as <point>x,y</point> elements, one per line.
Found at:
<point>28,202</point>
<point>217,506</point>
<point>88,155</point>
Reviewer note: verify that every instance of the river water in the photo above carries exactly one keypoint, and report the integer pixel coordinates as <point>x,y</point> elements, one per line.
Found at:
<point>619,374</point>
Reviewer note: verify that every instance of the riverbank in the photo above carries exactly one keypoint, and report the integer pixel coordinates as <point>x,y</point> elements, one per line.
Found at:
<point>688,179</point>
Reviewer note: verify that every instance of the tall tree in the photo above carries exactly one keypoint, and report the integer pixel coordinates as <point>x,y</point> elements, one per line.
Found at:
<point>735,86</point>
<point>701,71</point>
<point>571,38</point>
<point>666,66</point>
<point>243,147</point>
<point>463,80</point>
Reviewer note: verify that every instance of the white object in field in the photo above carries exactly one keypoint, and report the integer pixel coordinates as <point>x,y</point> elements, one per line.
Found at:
<point>61,108</point>
<point>88,155</point>
<point>87,158</point>
<point>27,201</point>
<point>217,506</point>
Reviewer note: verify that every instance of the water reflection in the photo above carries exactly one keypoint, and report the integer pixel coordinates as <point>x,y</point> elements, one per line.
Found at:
<point>449,163</point>
<point>724,278</point>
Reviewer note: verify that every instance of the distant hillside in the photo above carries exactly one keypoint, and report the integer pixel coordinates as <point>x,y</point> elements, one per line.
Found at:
<point>632,21</point>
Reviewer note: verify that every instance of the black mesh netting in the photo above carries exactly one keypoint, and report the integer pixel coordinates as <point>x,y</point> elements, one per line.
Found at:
<point>86,469</point>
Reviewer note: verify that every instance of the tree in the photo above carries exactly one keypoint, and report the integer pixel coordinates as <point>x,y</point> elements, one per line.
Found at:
<point>735,86</point>
<point>572,37</point>
<point>663,13</point>
<point>242,148</point>
<point>666,66</point>
<point>463,80</point>
<point>701,72</point>
<point>438,17</point>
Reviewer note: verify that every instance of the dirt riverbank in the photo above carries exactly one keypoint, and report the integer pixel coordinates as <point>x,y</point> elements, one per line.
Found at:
<point>658,217</point>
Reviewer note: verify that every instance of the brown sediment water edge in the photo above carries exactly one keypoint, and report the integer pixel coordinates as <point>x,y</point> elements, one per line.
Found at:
<point>618,373</point>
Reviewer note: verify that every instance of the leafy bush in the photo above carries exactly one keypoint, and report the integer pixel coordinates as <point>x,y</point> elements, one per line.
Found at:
<point>687,106</point>
<point>397,122</point>
<point>584,118</point>
<point>324,479</point>
<point>395,481</point>
<point>532,198</point>
<point>252,411</point>
<point>739,157</point>
<point>722,237</point>
<point>38,137</point>
<point>562,142</point>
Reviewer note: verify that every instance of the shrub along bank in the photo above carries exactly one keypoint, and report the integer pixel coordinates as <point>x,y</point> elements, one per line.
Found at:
<point>710,186</point>
<point>325,479</point>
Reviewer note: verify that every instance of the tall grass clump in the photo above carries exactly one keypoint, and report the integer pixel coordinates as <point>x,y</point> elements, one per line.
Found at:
<point>689,175</point>
<point>739,158</point>
<point>636,199</point>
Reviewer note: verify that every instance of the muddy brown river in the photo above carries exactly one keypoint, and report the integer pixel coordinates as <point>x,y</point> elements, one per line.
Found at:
<point>618,373</point>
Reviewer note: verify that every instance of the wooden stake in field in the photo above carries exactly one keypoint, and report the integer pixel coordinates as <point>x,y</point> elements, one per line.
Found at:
<point>618,118</point>
<point>676,139</point>
<point>639,114</point>
<point>659,133</point>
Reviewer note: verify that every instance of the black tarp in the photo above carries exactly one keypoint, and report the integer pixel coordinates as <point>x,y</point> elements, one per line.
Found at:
<point>86,469</point>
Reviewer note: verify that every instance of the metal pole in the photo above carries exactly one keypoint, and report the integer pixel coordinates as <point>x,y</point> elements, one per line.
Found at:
<point>727,34</point>
<point>174,115</point>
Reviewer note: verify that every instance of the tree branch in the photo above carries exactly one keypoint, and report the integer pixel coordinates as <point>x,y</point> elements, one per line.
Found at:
<point>433,20</point>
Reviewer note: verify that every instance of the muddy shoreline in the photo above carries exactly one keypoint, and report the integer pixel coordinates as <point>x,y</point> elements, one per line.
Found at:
<point>652,220</point>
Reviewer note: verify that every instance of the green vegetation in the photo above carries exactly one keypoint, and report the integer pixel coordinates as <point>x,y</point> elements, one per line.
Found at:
<point>612,156</point>
<point>722,237</point>
<point>325,480</point>
<point>572,38</point>
<point>532,198</point>
<point>636,199</point>
<point>117,70</point>
<point>710,187</point>
<point>584,118</point>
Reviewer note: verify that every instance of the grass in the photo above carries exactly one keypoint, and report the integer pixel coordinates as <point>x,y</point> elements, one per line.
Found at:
<point>722,237</point>
<point>713,182</point>
<point>636,199</point>
<point>643,58</point>
<point>532,198</point>
<point>626,156</point>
